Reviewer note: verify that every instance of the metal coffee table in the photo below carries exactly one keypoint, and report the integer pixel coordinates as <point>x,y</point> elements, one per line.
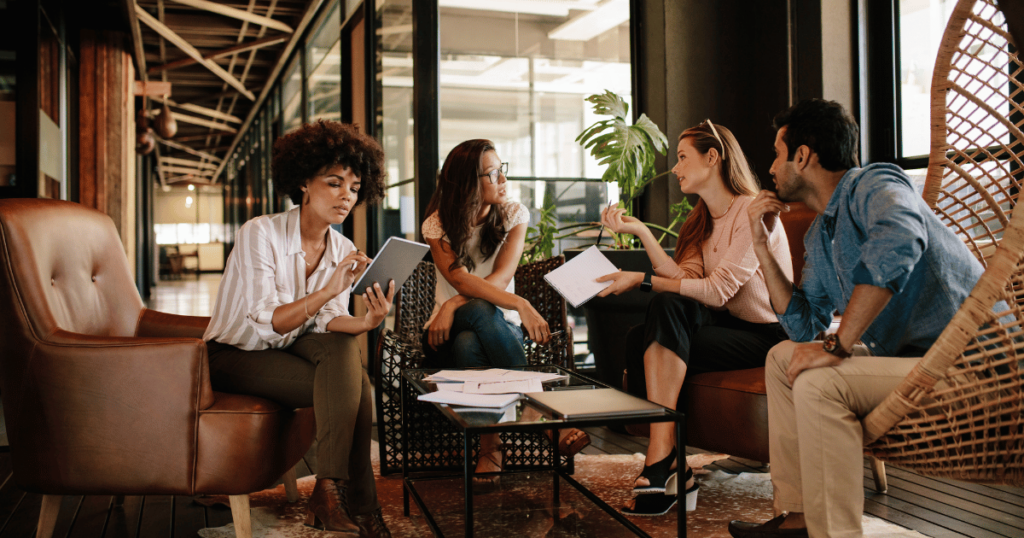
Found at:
<point>477,423</point>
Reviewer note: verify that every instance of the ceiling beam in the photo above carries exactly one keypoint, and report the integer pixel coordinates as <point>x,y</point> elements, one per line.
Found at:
<point>307,18</point>
<point>188,162</point>
<point>201,110</point>
<point>237,14</point>
<point>197,121</point>
<point>140,53</point>
<point>177,41</point>
<point>189,150</point>
<point>259,43</point>
<point>189,171</point>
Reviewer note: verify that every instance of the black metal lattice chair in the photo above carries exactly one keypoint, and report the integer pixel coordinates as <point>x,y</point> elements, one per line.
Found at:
<point>436,444</point>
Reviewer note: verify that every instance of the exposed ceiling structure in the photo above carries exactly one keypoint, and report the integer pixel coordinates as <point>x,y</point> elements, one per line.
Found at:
<point>219,58</point>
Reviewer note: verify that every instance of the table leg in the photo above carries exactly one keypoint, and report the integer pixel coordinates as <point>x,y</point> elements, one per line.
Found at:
<point>555,460</point>
<point>468,472</point>
<point>681,504</point>
<point>405,449</point>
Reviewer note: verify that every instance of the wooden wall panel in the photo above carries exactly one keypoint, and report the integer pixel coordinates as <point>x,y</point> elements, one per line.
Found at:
<point>107,131</point>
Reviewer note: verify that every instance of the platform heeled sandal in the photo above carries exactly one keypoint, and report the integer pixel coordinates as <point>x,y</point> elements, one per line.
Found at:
<point>657,476</point>
<point>672,488</point>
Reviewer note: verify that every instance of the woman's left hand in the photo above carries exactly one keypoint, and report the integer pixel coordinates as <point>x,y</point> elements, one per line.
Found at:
<point>622,281</point>
<point>377,304</point>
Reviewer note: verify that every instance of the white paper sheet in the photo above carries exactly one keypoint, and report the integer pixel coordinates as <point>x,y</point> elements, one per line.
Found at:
<point>473,400</point>
<point>577,279</point>
<point>502,387</point>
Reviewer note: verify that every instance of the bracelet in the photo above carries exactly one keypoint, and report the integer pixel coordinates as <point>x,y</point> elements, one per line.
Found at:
<point>305,307</point>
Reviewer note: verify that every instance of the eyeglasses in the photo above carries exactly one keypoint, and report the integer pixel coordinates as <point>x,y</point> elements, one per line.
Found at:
<point>493,174</point>
<point>715,132</point>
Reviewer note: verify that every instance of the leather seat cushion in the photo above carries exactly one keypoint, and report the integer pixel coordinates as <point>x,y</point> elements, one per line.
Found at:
<point>739,403</point>
<point>246,443</point>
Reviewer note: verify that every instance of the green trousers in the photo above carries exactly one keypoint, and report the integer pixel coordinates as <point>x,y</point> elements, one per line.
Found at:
<point>322,371</point>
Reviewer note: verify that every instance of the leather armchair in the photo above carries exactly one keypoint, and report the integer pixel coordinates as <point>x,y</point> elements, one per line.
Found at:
<point>103,396</point>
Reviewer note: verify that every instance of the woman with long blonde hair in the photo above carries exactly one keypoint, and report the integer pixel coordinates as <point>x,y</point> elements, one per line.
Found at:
<point>711,311</point>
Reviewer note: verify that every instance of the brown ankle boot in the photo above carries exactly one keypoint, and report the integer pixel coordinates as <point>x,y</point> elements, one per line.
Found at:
<point>372,525</point>
<point>328,507</point>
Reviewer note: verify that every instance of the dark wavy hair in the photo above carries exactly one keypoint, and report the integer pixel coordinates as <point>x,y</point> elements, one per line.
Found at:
<point>738,176</point>
<point>457,202</point>
<point>823,126</point>
<point>302,154</point>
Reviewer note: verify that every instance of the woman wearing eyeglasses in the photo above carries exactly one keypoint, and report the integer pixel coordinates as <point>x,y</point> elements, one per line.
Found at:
<point>476,237</point>
<point>711,312</point>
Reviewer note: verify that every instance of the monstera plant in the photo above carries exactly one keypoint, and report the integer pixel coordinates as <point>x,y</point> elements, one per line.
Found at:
<point>629,151</point>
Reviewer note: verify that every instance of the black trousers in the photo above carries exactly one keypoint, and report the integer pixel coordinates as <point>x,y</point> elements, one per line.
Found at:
<point>706,340</point>
<point>323,371</point>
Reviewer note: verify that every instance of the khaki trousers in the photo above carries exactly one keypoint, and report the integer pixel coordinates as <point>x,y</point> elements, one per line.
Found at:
<point>816,438</point>
<point>324,371</point>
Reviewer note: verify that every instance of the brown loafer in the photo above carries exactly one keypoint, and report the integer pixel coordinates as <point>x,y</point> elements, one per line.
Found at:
<point>742,529</point>
<point>372,525</point>
<point>328,508</point>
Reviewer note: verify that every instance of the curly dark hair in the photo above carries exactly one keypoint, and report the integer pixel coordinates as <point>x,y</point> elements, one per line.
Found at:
<point>302,154</point>
<point>823,126</point>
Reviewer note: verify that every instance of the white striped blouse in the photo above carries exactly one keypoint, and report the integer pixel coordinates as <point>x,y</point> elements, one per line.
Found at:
<point>267,269</point>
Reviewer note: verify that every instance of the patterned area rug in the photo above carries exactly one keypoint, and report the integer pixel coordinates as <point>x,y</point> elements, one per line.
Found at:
<point>523,506</point>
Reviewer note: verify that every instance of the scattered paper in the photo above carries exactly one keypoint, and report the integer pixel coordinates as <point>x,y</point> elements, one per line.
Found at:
<point>502,387</point>
<point>491,375</point>
<point>457,387</point>
<point>472,400</point>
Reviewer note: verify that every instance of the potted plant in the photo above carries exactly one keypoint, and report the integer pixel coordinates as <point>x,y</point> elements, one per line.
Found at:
<point>629,151</point>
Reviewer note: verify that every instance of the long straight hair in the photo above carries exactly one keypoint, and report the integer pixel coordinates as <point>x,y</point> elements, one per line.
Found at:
<point>457,202</point>
<point>737,175</point>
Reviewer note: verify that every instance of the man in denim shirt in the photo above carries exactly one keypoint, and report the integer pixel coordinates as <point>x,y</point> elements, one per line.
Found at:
<point>877,254</point>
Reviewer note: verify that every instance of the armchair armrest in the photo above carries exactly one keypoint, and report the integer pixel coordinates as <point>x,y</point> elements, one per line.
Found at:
<point>154,323</point>
<point>76,403</point>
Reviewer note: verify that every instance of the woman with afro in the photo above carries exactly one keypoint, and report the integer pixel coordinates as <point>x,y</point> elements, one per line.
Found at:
<point>281,328</point>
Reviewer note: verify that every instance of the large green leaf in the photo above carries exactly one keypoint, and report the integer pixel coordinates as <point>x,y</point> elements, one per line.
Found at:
<point>628,150</point>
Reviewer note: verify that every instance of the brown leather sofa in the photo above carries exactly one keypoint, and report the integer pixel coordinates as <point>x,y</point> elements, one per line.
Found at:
<point>728,411</point>
<point>103,396</point>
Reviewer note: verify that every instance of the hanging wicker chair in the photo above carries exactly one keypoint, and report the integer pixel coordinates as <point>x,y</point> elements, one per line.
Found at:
<point>960,412</point>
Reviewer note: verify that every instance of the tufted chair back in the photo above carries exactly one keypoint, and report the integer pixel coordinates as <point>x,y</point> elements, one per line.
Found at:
<point>68,271</point>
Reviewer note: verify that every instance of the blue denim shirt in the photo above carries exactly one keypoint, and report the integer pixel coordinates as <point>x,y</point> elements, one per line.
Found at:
<point>877,230</point>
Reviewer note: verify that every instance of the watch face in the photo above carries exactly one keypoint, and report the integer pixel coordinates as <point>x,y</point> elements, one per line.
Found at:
<point>831,343</point>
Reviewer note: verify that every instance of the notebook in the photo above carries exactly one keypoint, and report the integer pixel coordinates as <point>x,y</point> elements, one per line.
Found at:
<point>577,279</point>
<point>593,403</point>
<point>395,261</point>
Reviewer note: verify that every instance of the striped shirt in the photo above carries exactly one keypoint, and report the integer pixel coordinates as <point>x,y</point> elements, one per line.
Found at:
<point>726,274</point>
<point>267,269</point>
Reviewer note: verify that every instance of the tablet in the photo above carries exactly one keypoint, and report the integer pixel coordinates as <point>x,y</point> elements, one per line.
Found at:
<point>395,261</point>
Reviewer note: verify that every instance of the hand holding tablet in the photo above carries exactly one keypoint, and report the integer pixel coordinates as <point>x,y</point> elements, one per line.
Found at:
<point>395,261</point>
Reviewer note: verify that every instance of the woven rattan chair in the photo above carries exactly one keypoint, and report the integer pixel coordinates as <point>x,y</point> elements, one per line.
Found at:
<point>435,443</point>
<point>960,412</point>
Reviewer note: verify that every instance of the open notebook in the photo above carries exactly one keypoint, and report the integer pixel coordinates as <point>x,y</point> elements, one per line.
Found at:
<point>577,279</point>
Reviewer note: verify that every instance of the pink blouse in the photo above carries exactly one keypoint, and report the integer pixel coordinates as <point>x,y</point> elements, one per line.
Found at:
<point>725,273</point>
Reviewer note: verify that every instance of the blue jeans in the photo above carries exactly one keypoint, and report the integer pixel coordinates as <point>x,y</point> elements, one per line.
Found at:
<point>479,336</point>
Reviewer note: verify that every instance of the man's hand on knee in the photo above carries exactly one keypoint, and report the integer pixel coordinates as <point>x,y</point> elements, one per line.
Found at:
<point>807,356</point>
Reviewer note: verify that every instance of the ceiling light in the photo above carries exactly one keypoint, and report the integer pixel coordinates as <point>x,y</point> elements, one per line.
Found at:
<point>594,23</point>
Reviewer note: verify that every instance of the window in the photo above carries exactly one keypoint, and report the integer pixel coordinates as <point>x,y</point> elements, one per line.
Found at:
<point>323,57</point>
<point>394,45</point>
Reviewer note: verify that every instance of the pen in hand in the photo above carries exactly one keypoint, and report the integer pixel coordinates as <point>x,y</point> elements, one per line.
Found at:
<point>601,233</point>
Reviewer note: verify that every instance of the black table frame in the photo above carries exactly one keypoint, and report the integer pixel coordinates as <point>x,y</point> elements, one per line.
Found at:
<point>408,486</point>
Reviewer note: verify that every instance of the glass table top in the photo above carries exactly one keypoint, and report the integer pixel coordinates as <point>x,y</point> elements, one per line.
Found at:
<point>524,414</point>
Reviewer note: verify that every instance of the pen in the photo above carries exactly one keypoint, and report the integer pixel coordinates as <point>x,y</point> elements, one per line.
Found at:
<point>601,233</point>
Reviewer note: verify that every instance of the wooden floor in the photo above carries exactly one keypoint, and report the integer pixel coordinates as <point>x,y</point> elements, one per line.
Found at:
<point>937,508</point>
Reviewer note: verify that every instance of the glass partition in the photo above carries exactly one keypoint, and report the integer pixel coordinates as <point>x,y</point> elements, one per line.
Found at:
<point>395,113</point>
<point>323,63</point>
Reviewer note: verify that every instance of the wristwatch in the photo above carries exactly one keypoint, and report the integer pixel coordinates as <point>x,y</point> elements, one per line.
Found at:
<point>646,285</point>
<point>833,346</point>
